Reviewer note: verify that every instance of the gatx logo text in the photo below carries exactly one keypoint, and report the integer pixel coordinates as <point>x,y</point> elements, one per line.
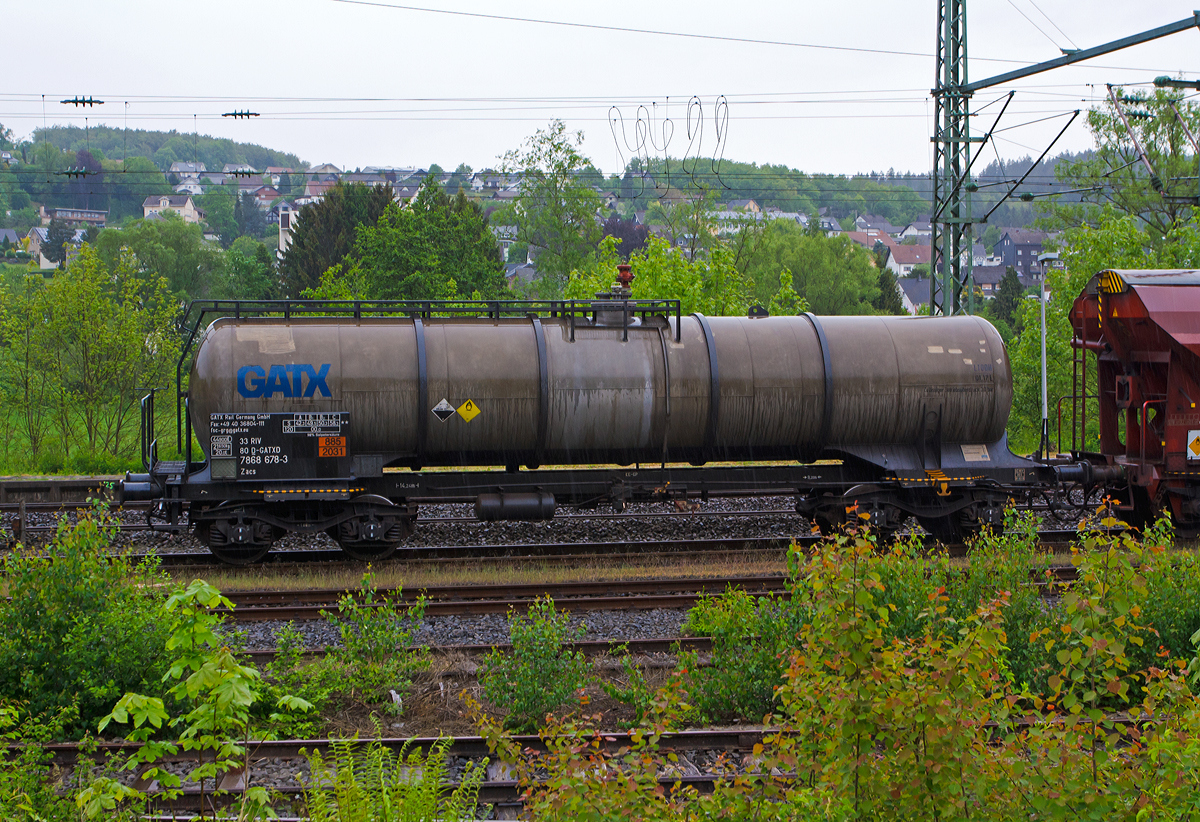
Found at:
<point>294,381</point>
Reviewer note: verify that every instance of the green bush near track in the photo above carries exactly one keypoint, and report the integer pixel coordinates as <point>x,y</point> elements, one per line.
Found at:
<point>81,626</point>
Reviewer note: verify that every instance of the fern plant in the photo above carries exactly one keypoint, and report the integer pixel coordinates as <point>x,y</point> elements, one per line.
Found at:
<point>376,784</point>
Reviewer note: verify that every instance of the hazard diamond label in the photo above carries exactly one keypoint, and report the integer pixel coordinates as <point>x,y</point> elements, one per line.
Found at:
<point>1193,446</point>
<point>468,410</point>
<point>443,410</point>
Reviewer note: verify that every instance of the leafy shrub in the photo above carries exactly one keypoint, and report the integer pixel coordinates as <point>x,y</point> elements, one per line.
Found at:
<point>635,692</point>
<point>81,626</point>
<point>540,675</point>
<point>375,655</point>
<point>26,775</point>
<point>215,694</point>
<point>1171,606</point>
<point>372,783</point>
<point>909,577</point>
<point>1007,566</point>
<point>287,674</point>
<point>750,639</point>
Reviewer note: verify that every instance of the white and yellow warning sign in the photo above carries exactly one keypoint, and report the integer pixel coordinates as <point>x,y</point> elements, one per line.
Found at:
<point>468,410</point>
<point>1193,446</point>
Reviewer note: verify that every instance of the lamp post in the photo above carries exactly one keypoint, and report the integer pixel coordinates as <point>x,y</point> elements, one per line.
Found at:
<point>1044,261</point>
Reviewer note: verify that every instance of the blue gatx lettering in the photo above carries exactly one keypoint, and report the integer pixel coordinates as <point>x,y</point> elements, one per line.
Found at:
<point>255,381</point>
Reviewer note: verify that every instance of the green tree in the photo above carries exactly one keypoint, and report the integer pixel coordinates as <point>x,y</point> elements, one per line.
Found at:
<point>711,285</point>
<point>1009,294</point>
<point>786,302</point>
<point>167,247</point>
<point>991,236</point>
<point>689,222</point>
<point>835,275</point>
<point>556,208</point>
<point>137,179</point>
<point>324,232</point>
<point>286,189</point>
<point>438,247</point>
<point>113,332</point>
<point>58,237</point>
<point>30,385</point>
<point>888,301</point>
<point>218,213</point>
<point>1116,177</point>
<point>249,272</point>
<point>251,221</point>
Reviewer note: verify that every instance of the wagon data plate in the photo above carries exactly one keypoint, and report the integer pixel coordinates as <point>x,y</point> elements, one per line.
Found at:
<point>298,445</point>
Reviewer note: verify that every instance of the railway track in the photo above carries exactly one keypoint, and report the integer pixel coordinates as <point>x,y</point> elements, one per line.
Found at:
<point>463,600</point>
<point>470,600</point>
<point>496,790</point>
<point>565,551</point>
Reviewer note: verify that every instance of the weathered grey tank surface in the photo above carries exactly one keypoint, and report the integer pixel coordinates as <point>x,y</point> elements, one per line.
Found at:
<point>536,392</point>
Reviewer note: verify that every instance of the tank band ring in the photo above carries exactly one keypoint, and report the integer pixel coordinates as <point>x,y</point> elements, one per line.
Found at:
<point>714,388</point>
<point>827,363</point>
<point>543,425</point>
<point>422,390</point>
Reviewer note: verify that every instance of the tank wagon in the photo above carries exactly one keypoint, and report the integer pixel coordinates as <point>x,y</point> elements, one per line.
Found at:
<point>345,417</point>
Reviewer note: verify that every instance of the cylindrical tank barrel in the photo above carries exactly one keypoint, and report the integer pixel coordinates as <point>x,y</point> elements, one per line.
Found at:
<point>451,391</point>
<point>525,506</point>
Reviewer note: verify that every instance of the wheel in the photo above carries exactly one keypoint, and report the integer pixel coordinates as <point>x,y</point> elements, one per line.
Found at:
<point>375,532</point>
<point>236,542</point>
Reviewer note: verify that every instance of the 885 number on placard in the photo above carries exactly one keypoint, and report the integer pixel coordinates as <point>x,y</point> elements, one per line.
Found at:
<point>331,446</point>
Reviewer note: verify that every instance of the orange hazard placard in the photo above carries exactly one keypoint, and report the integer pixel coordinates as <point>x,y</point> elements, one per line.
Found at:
<point>331,446</point>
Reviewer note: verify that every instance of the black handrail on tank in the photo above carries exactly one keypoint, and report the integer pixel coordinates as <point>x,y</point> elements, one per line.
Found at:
<point>197,310</point>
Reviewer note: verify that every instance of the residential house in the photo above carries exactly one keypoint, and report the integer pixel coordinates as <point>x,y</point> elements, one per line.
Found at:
<point>325,168</point>
<point>273,174</point>
<point>364,178</point>
<point>286,214</point>
<point>7,158</point>
<point>405,191</point>
<point>318,185</point>
<point>797,217</point>
<point>185,170</point>
<point>520,273</point>
<point>506,235</point>
<point>917,228</point>
<point>189,187</point>
<point>75,216</point>
<point>239,169</point>
<point>38,236</point>
<point>274,211</point>
<point>829,225</point>
<point>916,293</point>
<point>1020,247</point>
<point>867,222</point>
<point>743,205</point>
<point>264,196</point>
<point>902,258</point>
<point>396,171</point>
<point>871,237</point>
<point>158,204</point>
<point>987,278</point>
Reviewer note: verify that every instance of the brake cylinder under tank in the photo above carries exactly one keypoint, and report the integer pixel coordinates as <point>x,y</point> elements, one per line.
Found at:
<point>546,391</point>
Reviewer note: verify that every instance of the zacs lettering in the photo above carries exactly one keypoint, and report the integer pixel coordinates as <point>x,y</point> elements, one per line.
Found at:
<point>293,381</point>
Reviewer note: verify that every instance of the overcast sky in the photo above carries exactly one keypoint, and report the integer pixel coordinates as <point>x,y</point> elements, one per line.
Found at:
<point>359,84</point>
